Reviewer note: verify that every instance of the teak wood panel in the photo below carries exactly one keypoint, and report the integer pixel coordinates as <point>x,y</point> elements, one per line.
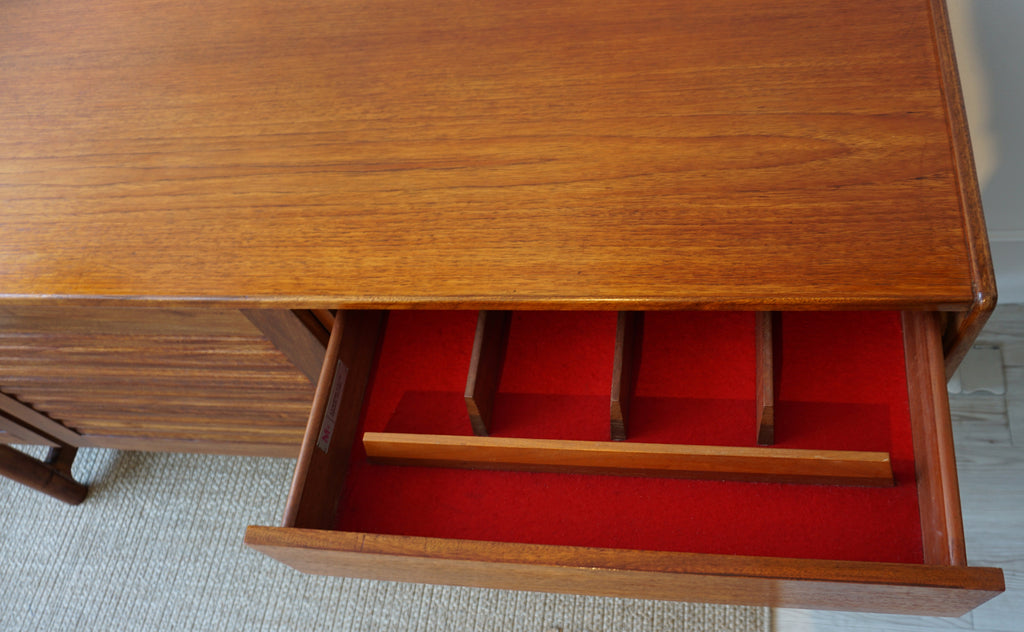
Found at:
<point>27,416</point>
<point>297,333</point>
<point>731,579</point>
<point>583,154</point>
<point>192,379</point>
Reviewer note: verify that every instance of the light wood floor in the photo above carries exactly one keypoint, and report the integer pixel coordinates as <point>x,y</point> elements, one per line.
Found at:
<point>989,432</point>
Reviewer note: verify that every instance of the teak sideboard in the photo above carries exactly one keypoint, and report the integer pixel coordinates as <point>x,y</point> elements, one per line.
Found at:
<point>446,252</point>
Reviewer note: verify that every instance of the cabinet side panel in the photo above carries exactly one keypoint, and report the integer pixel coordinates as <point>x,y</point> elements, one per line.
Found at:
<point>153,379</point>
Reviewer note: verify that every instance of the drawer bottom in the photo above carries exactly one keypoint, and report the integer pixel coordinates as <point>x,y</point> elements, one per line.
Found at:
<point>842,387</point>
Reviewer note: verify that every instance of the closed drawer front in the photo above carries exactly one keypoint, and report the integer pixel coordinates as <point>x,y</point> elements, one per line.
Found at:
<point>861,387</point>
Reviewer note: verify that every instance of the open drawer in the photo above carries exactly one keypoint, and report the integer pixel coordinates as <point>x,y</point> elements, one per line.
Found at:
<point>860,383</point>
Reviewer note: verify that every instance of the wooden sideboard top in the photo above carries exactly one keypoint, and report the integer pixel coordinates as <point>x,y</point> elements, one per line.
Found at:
<point>486,153</point>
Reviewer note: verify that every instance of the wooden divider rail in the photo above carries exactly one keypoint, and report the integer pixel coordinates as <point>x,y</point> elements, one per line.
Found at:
<point>823,467</point>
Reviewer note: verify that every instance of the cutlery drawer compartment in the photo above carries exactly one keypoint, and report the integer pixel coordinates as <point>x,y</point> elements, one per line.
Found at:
<point>844,383</point>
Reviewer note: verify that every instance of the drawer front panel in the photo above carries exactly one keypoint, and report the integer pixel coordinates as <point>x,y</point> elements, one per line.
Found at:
<point>774,582</point>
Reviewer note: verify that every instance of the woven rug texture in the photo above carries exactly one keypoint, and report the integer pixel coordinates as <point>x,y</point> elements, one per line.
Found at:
<point>157,545</point>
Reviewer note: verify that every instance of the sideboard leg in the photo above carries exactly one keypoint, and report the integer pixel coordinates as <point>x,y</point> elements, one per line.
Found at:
<point>51,476</point>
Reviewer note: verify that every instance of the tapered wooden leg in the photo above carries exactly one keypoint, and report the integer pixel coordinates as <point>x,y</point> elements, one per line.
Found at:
<point>485,368</point>
<point>628,338</point>
<point>52,476</point>
<point>766,340</point>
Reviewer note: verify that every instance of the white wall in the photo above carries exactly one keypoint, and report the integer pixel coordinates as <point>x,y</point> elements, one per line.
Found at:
<point>989,40</point>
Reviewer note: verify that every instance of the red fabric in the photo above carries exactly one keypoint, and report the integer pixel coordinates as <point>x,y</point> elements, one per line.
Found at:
<point>843,386</point>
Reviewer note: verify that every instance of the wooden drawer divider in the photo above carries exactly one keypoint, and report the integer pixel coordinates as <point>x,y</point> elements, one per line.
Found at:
<point>643,459</point>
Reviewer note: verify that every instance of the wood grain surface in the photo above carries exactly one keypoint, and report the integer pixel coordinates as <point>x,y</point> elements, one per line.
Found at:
<point>704,462</point>
<point>21,413</point>
<point>503,153</point>
<point>779,582</point>
<point>151,379</point>
<point>485,367</point>
<point>333,418</point>
<point>298,334</point>
<point>629,334</point>
<point>767,329</point>
<point>938,491</point>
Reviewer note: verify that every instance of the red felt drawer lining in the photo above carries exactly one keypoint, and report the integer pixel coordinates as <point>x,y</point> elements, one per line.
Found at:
<point>843,386</point>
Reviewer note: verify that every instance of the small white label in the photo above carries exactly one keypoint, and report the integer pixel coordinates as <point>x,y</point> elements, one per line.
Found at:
<point>333,404</point>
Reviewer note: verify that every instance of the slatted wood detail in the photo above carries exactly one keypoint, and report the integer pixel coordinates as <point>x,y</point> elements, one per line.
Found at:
<point>148,378</point>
